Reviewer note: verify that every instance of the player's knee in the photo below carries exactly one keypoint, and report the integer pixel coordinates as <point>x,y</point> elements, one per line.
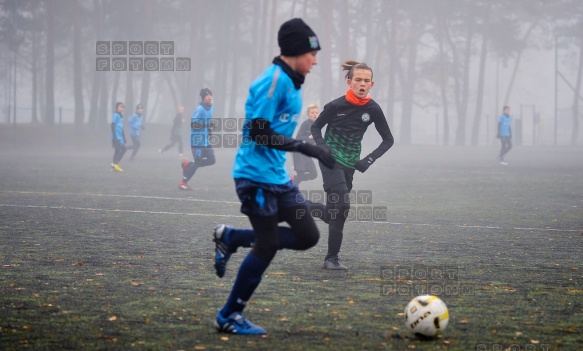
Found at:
<point>267,247</point>
<point>308,235</point>
<point>311,239</point>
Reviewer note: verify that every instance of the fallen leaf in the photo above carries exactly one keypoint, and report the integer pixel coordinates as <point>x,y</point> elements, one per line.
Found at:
<point>112,318</point>
<point>534,341</point>
<point>224,338</point>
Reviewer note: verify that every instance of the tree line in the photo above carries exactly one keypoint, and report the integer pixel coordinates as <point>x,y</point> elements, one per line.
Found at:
<point>424,53</point>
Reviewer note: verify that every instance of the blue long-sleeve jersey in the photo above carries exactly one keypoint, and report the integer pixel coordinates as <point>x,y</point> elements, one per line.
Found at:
<point>200,125</point>
<point>136,121</point>
<point>272,96</point>
<point>117,132</point>
<point>504,122</point>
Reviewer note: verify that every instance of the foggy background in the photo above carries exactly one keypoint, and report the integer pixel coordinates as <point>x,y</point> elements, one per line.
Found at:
<point>443,69</point>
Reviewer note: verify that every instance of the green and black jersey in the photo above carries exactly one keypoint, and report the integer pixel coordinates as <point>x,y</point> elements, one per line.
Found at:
<point>347,124</point>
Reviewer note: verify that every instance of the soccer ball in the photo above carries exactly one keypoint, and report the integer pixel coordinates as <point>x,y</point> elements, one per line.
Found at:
<point>426,316</point>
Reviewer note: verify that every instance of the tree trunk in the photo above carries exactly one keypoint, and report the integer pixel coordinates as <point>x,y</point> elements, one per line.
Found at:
<point>463,102</point>
<point>443,77</point>
<point>191,86</point>
<point>576,95</point>
<point>480,93</point>
<point>34,73</point>
<point>96,76</point>
<point>409,86</point>
<point>234,76</point>
<point>517,62</point>
<point>455,69</point>
<point>77,69</point>
<point>104,109</point>
<point>325,57</point>
<point>129,90</point>
<point>49,113</point>
<point>392,62</point>
<point>147,74</point>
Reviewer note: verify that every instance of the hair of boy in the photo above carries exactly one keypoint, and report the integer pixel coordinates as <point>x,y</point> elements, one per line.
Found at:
<point>351,65</point>
<point>311,107</point>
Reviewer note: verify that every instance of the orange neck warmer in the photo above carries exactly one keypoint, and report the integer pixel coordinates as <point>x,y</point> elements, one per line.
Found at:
<point>355,100</point>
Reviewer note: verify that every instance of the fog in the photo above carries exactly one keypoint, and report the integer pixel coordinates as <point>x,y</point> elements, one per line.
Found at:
<point>442,69</point>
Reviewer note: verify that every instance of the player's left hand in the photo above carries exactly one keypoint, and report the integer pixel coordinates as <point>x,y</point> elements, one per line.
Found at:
<point>363,164</point>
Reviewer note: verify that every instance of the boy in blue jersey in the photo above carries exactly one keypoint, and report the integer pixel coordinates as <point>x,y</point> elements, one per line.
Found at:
<point>504,134</point>
<point>118,138</point>
<point>200,130</point>
<point>267,194</point>
<point>136,124</point>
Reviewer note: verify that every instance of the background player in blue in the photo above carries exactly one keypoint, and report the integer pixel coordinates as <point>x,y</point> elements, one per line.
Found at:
<point>267,194</point>
<point>136,124</point>
<point>505,134</point>
<point>347,119</point>
<point>200,129</point>
<point>118,138</point>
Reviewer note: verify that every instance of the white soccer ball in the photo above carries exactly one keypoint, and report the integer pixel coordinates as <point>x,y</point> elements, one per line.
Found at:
<point>426,316</point>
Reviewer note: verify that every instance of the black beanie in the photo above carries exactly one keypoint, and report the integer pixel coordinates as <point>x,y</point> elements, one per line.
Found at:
<point>204,92</point>
<point>295,38</point>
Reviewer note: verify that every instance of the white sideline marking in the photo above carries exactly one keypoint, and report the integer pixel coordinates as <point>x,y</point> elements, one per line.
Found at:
<point>239,216</point>
<point>117,195</point>
<point>116,210</point>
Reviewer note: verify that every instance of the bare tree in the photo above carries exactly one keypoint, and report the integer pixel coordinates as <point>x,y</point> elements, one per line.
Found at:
<point>77,60</point>
<point>49,112</point>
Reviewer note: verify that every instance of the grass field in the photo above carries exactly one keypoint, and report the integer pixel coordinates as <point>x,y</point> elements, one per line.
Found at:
<point>92,260</point>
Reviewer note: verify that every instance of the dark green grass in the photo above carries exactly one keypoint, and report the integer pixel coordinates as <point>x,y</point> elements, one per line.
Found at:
<point>86,269</point>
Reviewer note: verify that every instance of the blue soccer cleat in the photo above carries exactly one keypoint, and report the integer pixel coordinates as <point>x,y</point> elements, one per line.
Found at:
<point>222,252</point>
<point>237,324</point>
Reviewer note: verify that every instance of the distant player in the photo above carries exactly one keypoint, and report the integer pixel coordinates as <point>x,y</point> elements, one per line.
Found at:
<point>118,138</point>
<point>348,118</point>
<point>136,124</point>
<point>304,166</point>
<point>504,134</point>
<point>200,130</point>
<point>267,194</point>
<point>176,133</point>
